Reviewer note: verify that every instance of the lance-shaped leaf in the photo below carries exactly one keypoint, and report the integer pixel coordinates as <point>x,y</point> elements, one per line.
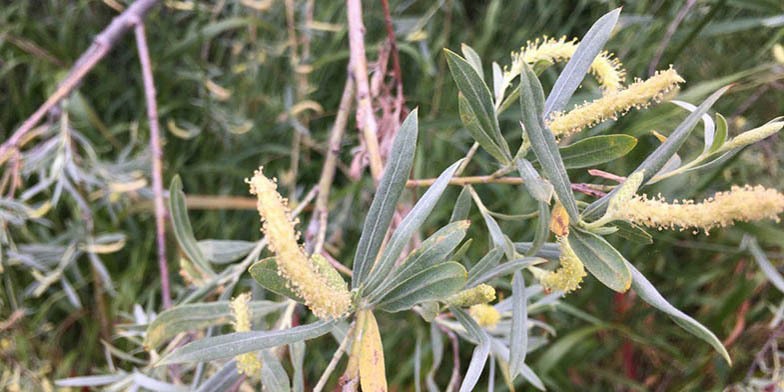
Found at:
<point>182,227</point>
<point>233,344</point>
<point>765,265</point>
<point>486,263</point>
<point>539,188</point>
<point>434,250</point>
<point>649,294</point>
<point>434,283</point>
<point>221,380</point>
<point>273,376</point>
<point>401,158</point>
<point>506,268</point>
<point>265,272</point>
<point>372,375</point>
<point>518,337</point>
<point>462,206</point>
<point>543,141</point>
<point>481,352</point>
<point>575,70</point>
<point>410,224</point>
<point>596,150</point>
<point>196,316</point>
<point>225,251</point>
<point>602,260</point>
<point>659,157</point>
<point>478,101</point>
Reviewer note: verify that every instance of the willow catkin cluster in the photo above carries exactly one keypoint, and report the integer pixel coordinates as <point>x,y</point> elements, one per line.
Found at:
<point>324,298</point>
<point>247,363</point>
<point>485,315</point>
<point>480,294</point>
<point>746,203</point>
<point>638,95</point>
<point>569,274</point>
<point>755,135</point>
<point>607,69</point>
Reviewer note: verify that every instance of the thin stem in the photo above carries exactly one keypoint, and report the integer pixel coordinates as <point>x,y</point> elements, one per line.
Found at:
<point>333,363</point>
<point>102,44</point>
<point>366,119</point>
<point>461,181</point>
<point>156,156</point>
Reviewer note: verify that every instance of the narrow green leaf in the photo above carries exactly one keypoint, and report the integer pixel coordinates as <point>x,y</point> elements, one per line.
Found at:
<point>434,250</point>
<point>518,336</point>
<point>765,265</point>
<point>649,294</point>
<point>225,251</point>
<point>221,380</point>
<point>265,272</point>
<point>437,347</point>
<point>496,235</point>
<point>297,356</point>
<point>233,344</point>
<point>709,126</point>
<point>182,227</point>
<point>575,70</point>
<point>273,375</point>
<point>471,122</point>
<point>596,150</point>
<point>401,158</point>
<point>462,206</point>
<point>543,141</point>
<point>434,283</point>
<point>721,134</point>
<point>410,224</point>
<point>473,58</point>
<point>478,98</point>
<point>633,233</point>
<point>560,348</point>
<point>601,260</point>
<point>506,268</point>
<point>486,263</point>
<point>538,187</point>
<point>190,317</point>
<point>481,352</point>
<point>542,229</point>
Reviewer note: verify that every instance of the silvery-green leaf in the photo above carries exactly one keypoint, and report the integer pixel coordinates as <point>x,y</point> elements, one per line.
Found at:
<point>506,268</point>
<point>600,259</point>
<point>501,352</point>
<point>767,268</point>
<point>89,381</point>
<point>499,84</point>
<point>721,133</point>
<point>429,311</point>
<point>575,70</point>
<point>221,380</point>
<point>150,384</point>
<point>410,224</point>
<point>233,344</point>
<point>549,250</point>
<point>659,157</point>
<point>473,58</point>
<point>481,352</point>
<point>462,206</point>
<point>225,251</point>
<point>716,162</point>
<point>542,228</point>
<point>649,294</point>
<point>297,356</point>
<point>471,122</point>
<point>437,347</point>
<point>596,150</point>
<point>462,250</point>
<point>418,363</point>
<point>478,99</point>
<point>486,263</point>
<point>432,251</point>
<point>434,283</point>
<point>189,317</point>
<point>633,233</point>
<point>265,272</point>
<point>673,163</point>
<point>543,141</point>
<point>401,158</point>
<point>707,121</point>
<point>496,235</point>
<point>538,187</point>
<point>518,336</point>
<point>182,227</point>
<point>273,375</point>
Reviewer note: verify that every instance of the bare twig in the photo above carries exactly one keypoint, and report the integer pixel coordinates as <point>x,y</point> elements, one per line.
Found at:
<point>333,363</point>
<point>399,100</point>
<point>102,44</point>
<point>460,181</point>
<point>328,171</point>
<point>157,155</point>
<point>366,120</point>
<point>668,35</point>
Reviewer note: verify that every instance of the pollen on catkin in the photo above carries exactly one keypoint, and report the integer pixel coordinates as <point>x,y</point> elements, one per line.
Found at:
<point>247,363</point>
<point>746,203</point>
<point>324,298</point>
<point>638,95</point>
<point>570,272</point>
<point>607,69</point>
<point>485,315</point>
<point>755,135</point>
<point>480,294</point>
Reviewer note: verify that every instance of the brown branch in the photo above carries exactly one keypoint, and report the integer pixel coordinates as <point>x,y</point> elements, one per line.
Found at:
<point>669,33</point>
<point>102,44</point>
<point>395,58</point>
<point>366,120</point>
<point>157,155</point>
<point>460,181</point>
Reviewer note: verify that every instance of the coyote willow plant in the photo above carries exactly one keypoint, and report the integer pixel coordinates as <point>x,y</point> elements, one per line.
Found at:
<point>430,279</point>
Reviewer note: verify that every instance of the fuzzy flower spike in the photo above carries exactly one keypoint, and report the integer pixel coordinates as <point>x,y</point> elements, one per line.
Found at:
<point>638,95</point>
<point>745,203</point>
<point>569,274</point>
<point>247,363</point>
<point>324,298</point>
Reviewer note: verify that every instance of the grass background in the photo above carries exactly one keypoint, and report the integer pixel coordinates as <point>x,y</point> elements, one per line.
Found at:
<point>246,52</point>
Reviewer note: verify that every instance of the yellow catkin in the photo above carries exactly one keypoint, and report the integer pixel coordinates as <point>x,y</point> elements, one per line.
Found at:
<point>485,315</point>
<point>570,272</point>
<point>607,70</point>
<point>480,294</point>
<point>745,203</point>
<point>638,95</point>
<point>324,298</point>
<point>247,363</point>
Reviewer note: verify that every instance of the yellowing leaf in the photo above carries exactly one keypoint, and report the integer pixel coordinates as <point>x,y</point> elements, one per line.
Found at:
<point>559,221</point>
<point>372,375</point>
